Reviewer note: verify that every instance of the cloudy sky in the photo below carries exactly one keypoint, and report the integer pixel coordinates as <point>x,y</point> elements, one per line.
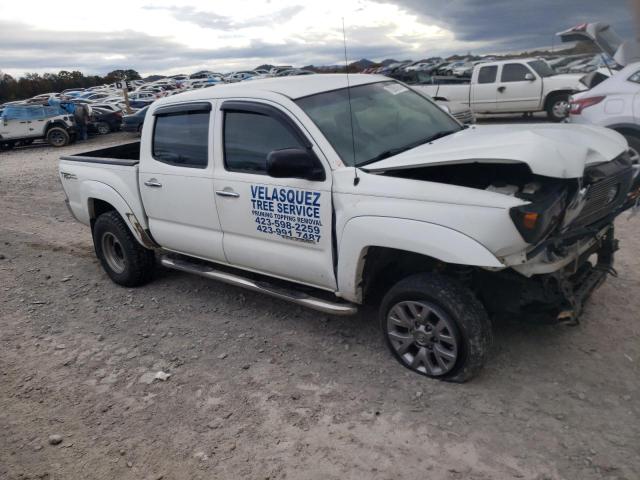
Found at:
<point>171,36</point>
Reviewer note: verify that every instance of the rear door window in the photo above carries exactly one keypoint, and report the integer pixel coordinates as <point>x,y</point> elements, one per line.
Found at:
<point>182,139</point>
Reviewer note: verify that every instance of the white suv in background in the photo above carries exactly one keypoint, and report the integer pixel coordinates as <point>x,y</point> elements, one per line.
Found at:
<point>613,103</point>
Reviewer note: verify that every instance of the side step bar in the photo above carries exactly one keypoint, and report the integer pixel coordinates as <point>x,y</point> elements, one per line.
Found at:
<point>294,296</point>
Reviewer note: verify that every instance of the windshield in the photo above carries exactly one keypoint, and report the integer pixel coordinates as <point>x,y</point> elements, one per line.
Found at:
<point>542,68</point>
<point>388,118</point>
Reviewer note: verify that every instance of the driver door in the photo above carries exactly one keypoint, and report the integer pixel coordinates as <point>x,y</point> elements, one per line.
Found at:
<point>277,226</point>
<point>519,89</point>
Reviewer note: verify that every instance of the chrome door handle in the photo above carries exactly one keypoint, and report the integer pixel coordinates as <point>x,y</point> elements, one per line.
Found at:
<point>153,183</point>
<point>227,193</point>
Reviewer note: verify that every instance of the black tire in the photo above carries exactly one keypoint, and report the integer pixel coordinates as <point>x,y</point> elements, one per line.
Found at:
<point>103,128</point>
<point>467,326</point>
<point>133,265</point>
<point>558,107</point>
<point>7,145</point>
<point>634,145</point>
<point>58,137</point>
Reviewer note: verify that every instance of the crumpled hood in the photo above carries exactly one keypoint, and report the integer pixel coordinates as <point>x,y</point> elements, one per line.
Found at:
<point>569,81</point>
<point>551,150</point>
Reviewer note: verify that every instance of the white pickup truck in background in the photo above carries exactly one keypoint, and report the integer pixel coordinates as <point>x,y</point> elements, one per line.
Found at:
<point>437,225</point>
<point>512,86</point>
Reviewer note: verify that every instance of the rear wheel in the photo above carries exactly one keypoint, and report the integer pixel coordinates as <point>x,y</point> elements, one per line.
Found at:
<point>436,327</point>
<point>58,137</point>
<point>126,261</point>
<point>558,107</point>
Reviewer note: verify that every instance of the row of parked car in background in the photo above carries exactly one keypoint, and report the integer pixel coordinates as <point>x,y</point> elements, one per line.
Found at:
<point>591,88</point>
<point>576,63</point>
<point>40,117</point>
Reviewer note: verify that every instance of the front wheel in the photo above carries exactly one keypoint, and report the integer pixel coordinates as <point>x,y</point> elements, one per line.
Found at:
<point>634,146</point>
<point>126,261</point>
<point>558,107</point>
<point>436,327</point>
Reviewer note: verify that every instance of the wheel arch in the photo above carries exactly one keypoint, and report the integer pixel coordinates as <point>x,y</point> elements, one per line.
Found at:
<point>626,129</point>
<point>556,93</point>
<point>55,123</point>
<point>102,198</point>
<point>421,245</point>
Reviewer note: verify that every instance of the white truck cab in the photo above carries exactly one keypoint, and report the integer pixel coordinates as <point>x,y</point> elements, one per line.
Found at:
<point>332,196</point>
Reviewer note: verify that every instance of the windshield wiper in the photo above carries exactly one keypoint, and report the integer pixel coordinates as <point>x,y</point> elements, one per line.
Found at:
<point>397,151</point>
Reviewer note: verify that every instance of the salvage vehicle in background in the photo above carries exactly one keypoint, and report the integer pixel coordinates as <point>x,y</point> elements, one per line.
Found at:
<point>264,185</point>
<point>512,86</point>
<point>460,112</point>
<point>134,122</point>
<point>104,121</point>
<point>612,104</point>
<point>22,124</point>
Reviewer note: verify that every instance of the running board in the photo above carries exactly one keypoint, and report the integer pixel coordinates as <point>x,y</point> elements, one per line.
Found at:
<point>294,296</point>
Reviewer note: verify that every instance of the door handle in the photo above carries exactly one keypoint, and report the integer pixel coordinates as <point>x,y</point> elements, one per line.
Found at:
<point>153,183</point>
<point>502,89</point>
<point>227,193</point>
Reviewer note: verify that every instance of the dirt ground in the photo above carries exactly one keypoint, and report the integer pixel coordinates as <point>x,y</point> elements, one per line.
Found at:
<point>261,389</point>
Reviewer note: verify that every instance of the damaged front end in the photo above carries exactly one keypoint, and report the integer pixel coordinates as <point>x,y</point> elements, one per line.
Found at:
<point>573,242</point>
<point>567,223</point>
<point>559,294</point>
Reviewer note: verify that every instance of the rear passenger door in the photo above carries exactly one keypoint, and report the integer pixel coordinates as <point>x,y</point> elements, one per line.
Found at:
<point>277,226</point>
<point>484,91</point>
<point>176,180</point>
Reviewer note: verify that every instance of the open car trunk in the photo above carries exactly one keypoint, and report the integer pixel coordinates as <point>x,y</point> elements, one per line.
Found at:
<point>606,40</point>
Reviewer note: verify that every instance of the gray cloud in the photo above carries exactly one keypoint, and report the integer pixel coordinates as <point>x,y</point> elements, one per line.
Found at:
<point>517,24</point>
<point>28,48</point>
<point>501,25</point>
<point>221,22</point>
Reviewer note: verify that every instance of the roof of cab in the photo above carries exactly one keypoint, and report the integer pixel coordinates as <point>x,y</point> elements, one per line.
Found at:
<point>291,87</point>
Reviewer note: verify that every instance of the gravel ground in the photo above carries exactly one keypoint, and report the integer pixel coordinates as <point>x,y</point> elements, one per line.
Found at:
<point>261,389</point>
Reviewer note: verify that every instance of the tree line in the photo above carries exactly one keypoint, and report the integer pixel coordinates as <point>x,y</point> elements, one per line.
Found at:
<point>32,84</point>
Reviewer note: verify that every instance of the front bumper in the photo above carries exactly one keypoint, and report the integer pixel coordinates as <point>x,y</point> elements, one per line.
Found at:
<point>560,294</point>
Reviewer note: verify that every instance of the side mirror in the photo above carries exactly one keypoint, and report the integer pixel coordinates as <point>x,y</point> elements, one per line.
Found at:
<point>294,163</point>
<point>530,77</point>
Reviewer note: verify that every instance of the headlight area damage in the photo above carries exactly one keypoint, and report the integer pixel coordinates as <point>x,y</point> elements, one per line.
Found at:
<point>568,224</point>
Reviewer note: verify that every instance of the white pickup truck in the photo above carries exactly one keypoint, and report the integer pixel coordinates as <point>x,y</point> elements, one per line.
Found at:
<point>438,225</point>
<point>512,86</point>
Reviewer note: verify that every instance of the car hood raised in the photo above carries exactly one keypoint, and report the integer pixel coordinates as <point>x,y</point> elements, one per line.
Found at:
<point>558,151</point>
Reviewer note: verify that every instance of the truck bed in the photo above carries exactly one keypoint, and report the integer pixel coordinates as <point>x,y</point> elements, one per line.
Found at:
<point>127,155</point>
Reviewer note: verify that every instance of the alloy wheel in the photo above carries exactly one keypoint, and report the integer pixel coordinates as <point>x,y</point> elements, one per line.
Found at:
<point>423,336</point>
